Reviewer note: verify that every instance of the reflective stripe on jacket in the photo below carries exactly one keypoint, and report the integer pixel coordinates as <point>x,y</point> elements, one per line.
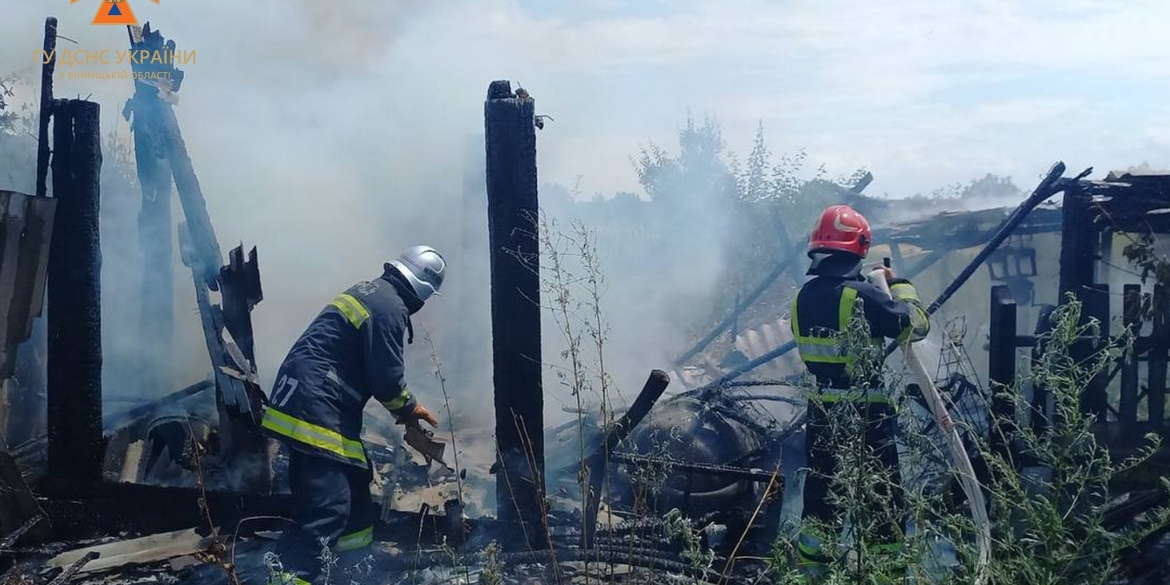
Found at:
<point>351,352</point>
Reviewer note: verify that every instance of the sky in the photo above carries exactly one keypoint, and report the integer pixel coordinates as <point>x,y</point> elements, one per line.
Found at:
<point>333,134</point>
<point>922,94</point>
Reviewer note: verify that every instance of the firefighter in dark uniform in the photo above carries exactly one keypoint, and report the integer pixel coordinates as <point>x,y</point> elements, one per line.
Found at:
<point>838,244</point>
<point>351,352</point>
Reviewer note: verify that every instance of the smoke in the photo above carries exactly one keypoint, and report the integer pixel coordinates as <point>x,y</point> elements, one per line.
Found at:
<point>331,136</point>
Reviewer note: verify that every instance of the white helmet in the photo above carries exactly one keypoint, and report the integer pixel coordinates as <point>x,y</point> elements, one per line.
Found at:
<point>424,268</point>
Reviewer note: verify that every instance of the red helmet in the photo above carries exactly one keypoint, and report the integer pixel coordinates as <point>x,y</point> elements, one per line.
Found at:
<point>841,229</point>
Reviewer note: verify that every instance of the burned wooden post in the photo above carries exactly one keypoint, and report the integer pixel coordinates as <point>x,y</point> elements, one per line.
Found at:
<point>145,112</point>
<point>596,466</point>
<point>1001,363</point>
<point>1080,245</point>
<point>515,298</point>
<point>1159,354</point>
<point>1095,397</point>
<point>1127,409</point>
<point>74,301</point>
<point>165,129</point>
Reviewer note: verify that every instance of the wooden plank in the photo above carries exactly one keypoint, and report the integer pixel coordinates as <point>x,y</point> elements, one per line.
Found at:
<point>148,549</point>
<point>25,226</point>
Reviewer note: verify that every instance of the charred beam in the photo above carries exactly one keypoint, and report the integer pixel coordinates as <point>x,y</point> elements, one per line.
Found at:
<point>1052,184</point>
<point>596,465</point>
<point>171,144</point>
<point>1127,409</point>
<point>1159,355</point>
<point>752,474</point>
<point>238,393</point>
<point>155,235</point>
<point>1094,398</point>
<point>1077,255</point>
<point>74,283</point>
<point>111,508</point>
<point>515,297</point>
<point>1001,364</point>
<point>240,280</point>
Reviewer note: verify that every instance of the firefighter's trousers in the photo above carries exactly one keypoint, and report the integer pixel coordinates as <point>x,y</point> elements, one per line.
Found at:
<point>881,424</point>
<point>331,503</point>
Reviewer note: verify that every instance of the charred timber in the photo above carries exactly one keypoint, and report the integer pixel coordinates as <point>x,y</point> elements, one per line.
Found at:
<point>156,237</point>
<point>1159,355</point>
<point>1080,244</point>
<point>74,298</point>
<point>596,466</point>
<point>510,142</point>
<point>240,280</point>
<point>1127,407</point>
<point>1001,364</point>
<point>238,395</point>
<point>172,146</point>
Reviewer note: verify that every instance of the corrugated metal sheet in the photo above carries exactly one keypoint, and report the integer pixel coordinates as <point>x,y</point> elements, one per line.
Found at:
<point>26,226</point>
<point>752,343</point>
<point>756,342</point>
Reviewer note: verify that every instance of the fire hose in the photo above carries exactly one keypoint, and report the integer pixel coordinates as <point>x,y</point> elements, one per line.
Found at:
<point>959,458</point>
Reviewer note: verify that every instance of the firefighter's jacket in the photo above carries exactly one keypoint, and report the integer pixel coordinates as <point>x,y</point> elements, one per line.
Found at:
<point>822,309</point>
<point>351,352</point>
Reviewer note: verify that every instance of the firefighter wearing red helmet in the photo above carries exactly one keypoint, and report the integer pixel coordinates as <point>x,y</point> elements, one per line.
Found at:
<point>839,242</point>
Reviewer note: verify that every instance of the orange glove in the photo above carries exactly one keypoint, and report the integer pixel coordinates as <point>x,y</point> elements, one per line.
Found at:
<point>420,412</point>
